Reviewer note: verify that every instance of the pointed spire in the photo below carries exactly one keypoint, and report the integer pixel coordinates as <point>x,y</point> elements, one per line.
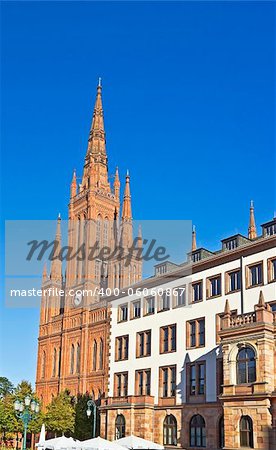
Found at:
<point>45,275</point>
<point>116,184</point>
<point>227,307</point>
<point>96,141</point>
<point>56,265</point>
<point>252,232</point>
<point>126,212</point>
<point>261,303</point>
<point>194,238</point>
<point>73,189</point>
<point>140,238</point>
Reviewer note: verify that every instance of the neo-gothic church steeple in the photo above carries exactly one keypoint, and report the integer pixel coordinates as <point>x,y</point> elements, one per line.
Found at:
<point>72,321</point>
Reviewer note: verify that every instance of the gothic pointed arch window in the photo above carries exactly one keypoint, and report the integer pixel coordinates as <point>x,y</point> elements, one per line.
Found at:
<point>101,355</point>
<point>43,364</point>
<point>129,274</point>
<point>246,432</point>
<point>115,276</point>
<point>120,426</point>
<point>246,365</point>
<point>78,358</point>
<point>119,276</point>
<point>54,362</point>
<point>95,350</point>
<point>197,431</point>
<point>98,228</point>
<point>98,265</point>
<point>105,232</point>
<point>58,361</point>
<point>170,430</point>
<point>72,359</point>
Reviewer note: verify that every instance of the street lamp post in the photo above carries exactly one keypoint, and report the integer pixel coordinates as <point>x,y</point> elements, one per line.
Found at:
<point>91,408</point>
<point>26,411</point>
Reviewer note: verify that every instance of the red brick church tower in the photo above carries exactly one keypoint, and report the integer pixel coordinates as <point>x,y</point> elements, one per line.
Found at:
<point>74,328</point>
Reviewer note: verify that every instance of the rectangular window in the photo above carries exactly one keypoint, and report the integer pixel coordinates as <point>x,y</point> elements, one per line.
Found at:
<point>232,244</point>
<point>168,339</point>
<point>192,380</point>
<point>136,309</point>
<point>179,296</point>
<point>201,331</point>
<point>120,384</point>
<point>143,344</point>
<point>143,382</point>
<point>168,381</point>
<point>197,291</point>
<point>201,379</point>
<point>196,257</point>
<point>273,263</point>
<point>165,302</point>
<point>214,286</point>
<point>197,378</point>
<point>121,348</point>
<point>270,230</point>
<point>149,305</point>
<point>195,333</point>
<point>123,313</point>
<point>233,281</point>
<point>271,270</point>
<point>255,275</point>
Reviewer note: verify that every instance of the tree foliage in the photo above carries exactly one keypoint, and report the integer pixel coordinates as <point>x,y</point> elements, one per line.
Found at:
<point>60,415</point>
<point>6,387</point>
<point>83,424</point>
<point>10,423</point>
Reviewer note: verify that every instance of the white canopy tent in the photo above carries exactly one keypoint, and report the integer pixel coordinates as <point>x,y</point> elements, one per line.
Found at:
<point>99,443</point>
<point>134,442</point>
<point>59,443</point>
<point>41,436</point>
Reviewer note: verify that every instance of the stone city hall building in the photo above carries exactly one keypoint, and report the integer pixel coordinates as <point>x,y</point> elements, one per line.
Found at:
<point>188,359</point>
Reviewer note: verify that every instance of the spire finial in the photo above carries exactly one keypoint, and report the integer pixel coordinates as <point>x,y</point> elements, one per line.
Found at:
<point>126,212</point>
<point>96,141</point>
<point>194,239</point>
<point>227,307</point>
<point>45,275</point>
<point>261,303</point>
<point>56,265</point>
<point>252,233</point>
<point>59,216</point>
<point>116,184</point>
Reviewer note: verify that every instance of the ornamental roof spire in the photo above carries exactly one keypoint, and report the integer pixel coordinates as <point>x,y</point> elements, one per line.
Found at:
<point>126,212</point>
<point>252,232</point>
<point>194,238</point>
<point>96,141</point>
<point>56,265</point>
<point>116,184</point>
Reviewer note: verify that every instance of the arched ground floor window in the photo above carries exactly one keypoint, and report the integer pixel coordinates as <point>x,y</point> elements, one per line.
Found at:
<point>197,431</point>
<point>170,430</point>
<point>120,427</point>
<point>246,432</point>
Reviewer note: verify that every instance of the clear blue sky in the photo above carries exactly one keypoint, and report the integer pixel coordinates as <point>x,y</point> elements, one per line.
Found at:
<point>189,99</point>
